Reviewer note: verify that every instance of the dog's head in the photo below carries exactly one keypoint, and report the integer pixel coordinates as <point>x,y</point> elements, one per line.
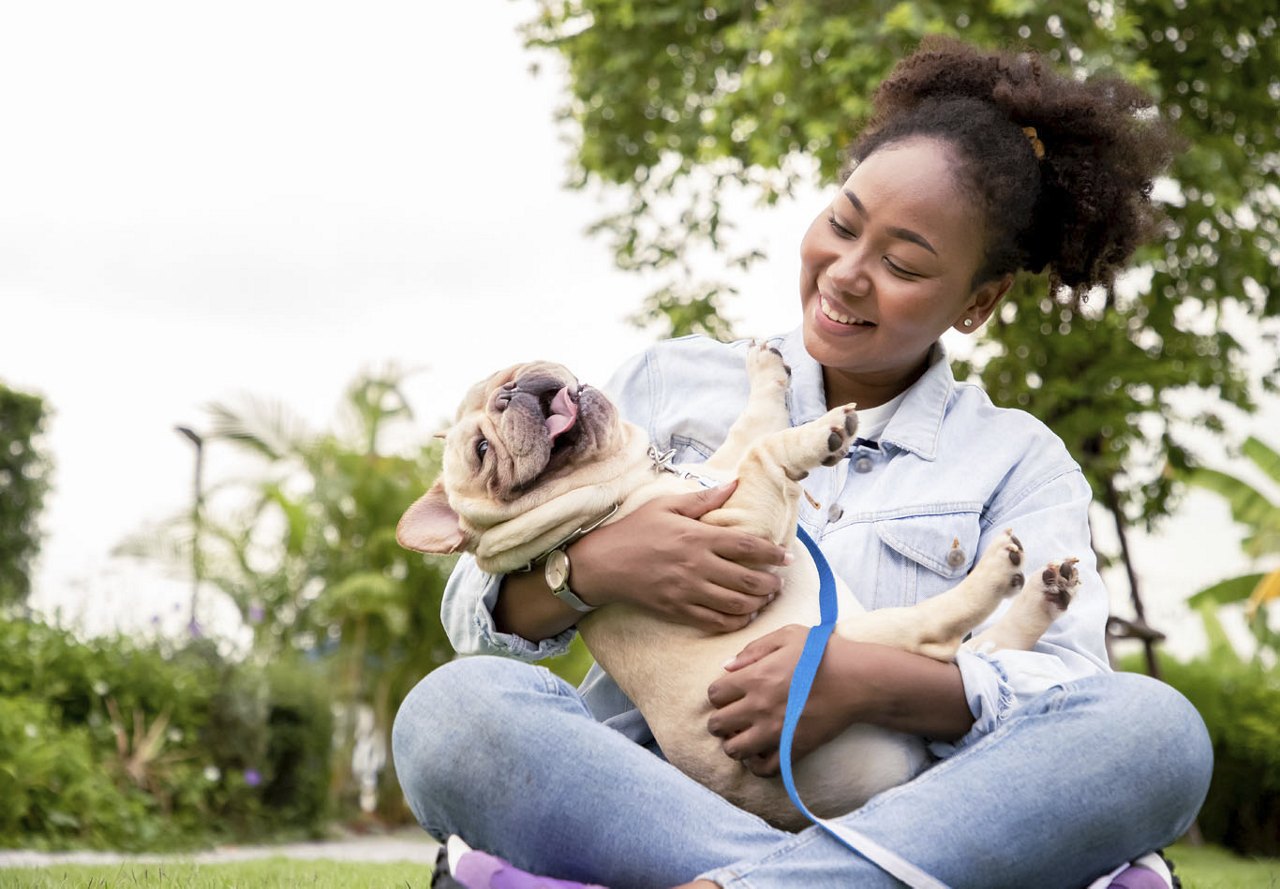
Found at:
<point>520,438</point>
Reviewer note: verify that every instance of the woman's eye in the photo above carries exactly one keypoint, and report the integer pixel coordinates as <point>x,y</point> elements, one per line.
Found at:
<point>838,228</point>
<point>482,448</point>
<point>899,270</point>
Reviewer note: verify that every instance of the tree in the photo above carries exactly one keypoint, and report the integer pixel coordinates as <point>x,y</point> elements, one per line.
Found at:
<point>307,551</point>
<point>680,107</point>
<point>24,479</point>
<point>1252,508</point>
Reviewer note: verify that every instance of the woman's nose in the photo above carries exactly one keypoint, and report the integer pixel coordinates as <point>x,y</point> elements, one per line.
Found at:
<point>848,270</point>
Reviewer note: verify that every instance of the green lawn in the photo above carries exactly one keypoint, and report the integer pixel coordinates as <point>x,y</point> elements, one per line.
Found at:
<point>1211,867</point>
<point>266,873</point>
<point>1207,867</point>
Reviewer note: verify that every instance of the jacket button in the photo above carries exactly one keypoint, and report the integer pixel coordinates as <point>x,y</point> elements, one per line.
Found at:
<point>956,557</point>
<point>834,513</point>
<point>862,464</point>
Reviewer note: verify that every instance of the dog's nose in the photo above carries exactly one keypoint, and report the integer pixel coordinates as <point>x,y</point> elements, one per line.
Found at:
<point>503,398</point>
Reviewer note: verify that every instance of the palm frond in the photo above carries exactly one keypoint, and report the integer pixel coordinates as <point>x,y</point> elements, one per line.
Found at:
<point>264,426</point>
<point>1235,589</point>
<point>1264,457</point>
<point>1267,590</point>
<point>1249,506</point>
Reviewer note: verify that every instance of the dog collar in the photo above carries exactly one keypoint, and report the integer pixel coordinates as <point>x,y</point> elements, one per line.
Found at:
<point>581,532</point>
<point>663,461</point>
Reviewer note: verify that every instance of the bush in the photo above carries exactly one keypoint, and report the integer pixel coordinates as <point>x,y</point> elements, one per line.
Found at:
<point>108,743</point>
<point>24,479</point>
<point>1240,704</point>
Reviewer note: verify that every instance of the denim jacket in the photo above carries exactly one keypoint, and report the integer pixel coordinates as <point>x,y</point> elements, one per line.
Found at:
<point>950,467</point>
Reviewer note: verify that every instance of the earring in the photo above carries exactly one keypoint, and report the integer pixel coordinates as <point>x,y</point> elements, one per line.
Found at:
<point>968,322</point>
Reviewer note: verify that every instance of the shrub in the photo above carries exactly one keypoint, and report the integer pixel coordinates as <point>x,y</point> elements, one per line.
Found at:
<point>111,743</point>
<point>1240,704</point>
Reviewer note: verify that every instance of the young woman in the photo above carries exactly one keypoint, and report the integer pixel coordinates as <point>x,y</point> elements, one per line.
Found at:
<point>1052,770</point>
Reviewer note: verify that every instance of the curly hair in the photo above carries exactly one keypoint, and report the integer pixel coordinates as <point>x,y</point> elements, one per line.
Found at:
<point>1078,202</point>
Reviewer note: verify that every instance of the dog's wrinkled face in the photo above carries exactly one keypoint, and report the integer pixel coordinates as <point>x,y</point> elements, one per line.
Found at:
<point>515,435</point>
<point>522,427</point>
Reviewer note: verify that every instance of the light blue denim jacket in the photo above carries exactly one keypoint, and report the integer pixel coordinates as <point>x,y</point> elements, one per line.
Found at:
<point>951,466</point>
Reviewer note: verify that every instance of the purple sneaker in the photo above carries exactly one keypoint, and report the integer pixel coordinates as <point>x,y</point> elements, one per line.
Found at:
<point>1148,872</point>
<point>462,866</point>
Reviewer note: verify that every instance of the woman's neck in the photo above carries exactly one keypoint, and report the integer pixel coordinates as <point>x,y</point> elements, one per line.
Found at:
<point>867,391</point>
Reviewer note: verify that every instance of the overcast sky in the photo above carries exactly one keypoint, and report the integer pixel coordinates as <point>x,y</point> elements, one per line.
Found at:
<point>202,200</point>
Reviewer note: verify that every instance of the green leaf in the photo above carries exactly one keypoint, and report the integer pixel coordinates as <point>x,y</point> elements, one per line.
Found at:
<point>1236,589</point>
<point>1264,457</point>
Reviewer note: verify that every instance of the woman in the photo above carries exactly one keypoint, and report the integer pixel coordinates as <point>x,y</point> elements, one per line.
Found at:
<point>1052,770</point>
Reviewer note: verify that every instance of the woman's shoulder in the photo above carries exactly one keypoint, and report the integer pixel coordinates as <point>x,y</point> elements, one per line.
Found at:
<point>972,413</point>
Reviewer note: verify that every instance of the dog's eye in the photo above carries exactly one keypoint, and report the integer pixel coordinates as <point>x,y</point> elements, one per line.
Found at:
<point>482,448</point>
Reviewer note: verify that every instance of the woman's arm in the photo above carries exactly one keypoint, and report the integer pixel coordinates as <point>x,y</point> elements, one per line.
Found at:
<point>660,558</point>
<point>856,682</point>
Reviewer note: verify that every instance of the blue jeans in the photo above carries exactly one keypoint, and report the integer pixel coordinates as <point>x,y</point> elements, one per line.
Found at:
<point>1082,778</point>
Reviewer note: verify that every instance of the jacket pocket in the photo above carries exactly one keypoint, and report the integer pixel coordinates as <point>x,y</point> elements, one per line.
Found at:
<point>925,554</point>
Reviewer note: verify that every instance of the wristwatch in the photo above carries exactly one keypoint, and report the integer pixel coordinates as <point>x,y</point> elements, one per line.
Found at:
<point>556,572</point>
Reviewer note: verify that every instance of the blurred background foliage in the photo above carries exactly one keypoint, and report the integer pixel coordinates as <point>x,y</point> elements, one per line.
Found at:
<point>111,744</point>
<point>24,480</point>
<point>304,544</point>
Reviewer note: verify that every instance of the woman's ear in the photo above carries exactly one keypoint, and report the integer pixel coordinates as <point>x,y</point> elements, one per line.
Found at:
<point>982,302</point>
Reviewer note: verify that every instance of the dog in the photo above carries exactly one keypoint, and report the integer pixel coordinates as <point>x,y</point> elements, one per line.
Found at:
<point>533,456</point>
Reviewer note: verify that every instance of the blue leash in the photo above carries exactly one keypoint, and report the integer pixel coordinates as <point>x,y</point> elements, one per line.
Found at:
<point>801,684</point>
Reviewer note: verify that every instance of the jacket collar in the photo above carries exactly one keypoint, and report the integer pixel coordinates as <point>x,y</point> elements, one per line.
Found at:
<point>915,425</point>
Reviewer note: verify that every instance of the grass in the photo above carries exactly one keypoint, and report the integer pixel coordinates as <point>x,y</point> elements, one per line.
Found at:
<point>264,873</point>
<point>1212,867</point>
<point>1205,867</point>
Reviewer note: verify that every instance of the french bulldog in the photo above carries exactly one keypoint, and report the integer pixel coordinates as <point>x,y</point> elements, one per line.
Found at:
<point>533,456</point>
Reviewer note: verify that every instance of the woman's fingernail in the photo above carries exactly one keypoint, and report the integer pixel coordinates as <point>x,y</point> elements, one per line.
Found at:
<point>788,558</point>
<point>729,663</point>
<point>772,596</point>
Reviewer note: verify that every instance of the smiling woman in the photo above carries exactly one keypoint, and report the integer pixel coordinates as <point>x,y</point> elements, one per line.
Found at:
<point>975,167</point>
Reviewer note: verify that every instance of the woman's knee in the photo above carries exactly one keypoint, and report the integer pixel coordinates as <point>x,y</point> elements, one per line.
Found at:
<point>1170,746</point>
<point>456,709</point>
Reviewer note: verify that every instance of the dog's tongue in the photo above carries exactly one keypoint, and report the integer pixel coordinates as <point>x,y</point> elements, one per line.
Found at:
<point>564,413</point>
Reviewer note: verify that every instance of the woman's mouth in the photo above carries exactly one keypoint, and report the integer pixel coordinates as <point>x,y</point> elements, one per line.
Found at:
<point>831,311</point>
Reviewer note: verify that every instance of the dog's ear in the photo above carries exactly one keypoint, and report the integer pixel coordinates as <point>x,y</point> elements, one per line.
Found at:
<point>430,526</point>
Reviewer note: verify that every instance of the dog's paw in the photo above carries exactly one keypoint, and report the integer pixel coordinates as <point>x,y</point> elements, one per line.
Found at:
<point>842,423</point>
<point>765,365</point>
<point>999,567</point>
<point>1059,580</point>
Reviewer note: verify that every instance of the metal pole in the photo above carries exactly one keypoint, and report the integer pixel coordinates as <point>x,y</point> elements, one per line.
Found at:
<point>197,514</point>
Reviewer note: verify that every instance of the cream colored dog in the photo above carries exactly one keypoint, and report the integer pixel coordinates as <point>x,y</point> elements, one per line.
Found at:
<point>533,456</point>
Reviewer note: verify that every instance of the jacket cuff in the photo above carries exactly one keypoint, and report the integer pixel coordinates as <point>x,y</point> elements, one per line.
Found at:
<point>990,695</point>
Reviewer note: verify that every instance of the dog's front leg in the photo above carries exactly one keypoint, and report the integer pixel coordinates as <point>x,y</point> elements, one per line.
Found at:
<point>766,409</point>
<point>766,502</point>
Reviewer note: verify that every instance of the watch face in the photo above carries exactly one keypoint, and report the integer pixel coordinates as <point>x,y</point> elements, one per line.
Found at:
<point>557,570</point>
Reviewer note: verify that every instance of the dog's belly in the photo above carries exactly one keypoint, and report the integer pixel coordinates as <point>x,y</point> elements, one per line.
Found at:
<point>666,668</point>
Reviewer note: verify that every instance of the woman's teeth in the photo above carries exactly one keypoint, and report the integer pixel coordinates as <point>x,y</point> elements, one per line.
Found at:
<point>830,311</point>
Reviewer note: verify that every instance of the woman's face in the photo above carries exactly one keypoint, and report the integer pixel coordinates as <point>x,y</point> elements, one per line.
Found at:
<point>887,267</point>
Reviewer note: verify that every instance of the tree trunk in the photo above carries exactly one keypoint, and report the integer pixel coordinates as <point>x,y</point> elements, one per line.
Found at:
<point>1139,628</point>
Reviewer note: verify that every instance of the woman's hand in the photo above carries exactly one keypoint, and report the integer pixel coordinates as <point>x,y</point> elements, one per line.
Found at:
<point>751,701</point>
<point>856,682</point>
<point>662,558</point>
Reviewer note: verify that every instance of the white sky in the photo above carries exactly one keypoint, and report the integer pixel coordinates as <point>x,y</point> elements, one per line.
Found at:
<point>203,200</point>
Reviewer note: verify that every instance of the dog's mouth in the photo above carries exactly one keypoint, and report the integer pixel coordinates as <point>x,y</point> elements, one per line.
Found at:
<point>561,412</point>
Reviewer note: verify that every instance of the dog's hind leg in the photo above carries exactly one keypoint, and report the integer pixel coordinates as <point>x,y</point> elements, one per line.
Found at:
<point>766,502</point>
<point>766,409</point>
<point>936,626</point>
<point>1042,600</point>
